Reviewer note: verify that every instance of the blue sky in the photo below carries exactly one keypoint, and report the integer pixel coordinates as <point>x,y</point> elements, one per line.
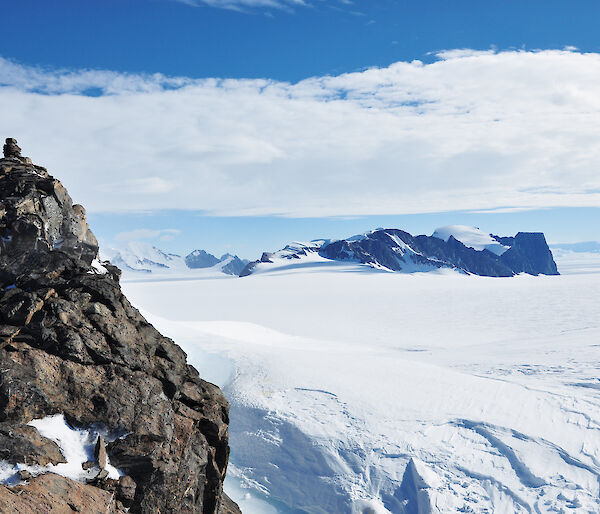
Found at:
<point>325,37</point>
<point>250,236</point>
<point>357,115</point>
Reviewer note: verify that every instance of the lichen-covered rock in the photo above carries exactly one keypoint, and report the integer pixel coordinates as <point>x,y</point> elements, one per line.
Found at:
<point>71,343</point>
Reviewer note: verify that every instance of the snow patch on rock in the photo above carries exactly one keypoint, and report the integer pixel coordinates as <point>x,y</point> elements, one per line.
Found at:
<point>76,445</point>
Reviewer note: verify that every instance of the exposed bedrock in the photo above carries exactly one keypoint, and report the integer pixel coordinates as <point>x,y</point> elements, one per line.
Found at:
<point>71,343</point>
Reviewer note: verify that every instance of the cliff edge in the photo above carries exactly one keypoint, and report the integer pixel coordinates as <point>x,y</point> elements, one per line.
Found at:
<point>71,345</point>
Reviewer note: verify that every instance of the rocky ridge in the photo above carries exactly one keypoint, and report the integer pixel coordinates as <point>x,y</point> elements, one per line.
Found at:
<point>71,344</point>
<point>397,250</point>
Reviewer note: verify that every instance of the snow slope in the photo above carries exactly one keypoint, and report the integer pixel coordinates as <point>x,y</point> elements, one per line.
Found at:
<point>143,257</point>
<point>299,257</point>
<point>380,392</point>
<point>472,237</point>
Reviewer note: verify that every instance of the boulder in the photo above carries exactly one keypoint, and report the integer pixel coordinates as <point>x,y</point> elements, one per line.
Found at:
<point>100,452</point>
<point>11,148</point>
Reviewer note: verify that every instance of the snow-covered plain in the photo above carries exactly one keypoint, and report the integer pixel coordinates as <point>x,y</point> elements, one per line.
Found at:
<point>378,392</point>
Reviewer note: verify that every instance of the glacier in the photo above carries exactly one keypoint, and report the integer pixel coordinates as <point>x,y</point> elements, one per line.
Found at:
<point>359,391</point>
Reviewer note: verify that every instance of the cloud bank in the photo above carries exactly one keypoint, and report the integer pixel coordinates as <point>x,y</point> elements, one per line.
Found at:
<point>166,234</point>
<point>470,131</point>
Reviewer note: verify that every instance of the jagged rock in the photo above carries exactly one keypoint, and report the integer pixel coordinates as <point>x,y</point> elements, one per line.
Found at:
<point>71,343</point>
<point>11,148</point>
<point>228,506</point>
<point>102,474</point>
<point>100,452</point>
<point>88,464</point>
<point>37,213</point>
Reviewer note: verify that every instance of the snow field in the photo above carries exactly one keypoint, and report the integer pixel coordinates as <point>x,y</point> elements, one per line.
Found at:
<point>380,392</point>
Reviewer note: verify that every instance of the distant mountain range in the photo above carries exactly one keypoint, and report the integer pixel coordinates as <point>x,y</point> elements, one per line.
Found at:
<point>464,249</point>
<point>145,258</point>
<point>455,247</point>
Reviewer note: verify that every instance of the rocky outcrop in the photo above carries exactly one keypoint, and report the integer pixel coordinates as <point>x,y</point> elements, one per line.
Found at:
<point>51,493</point>
<point>11,149</point>
<point>529,253</point>
<point>71,343</point>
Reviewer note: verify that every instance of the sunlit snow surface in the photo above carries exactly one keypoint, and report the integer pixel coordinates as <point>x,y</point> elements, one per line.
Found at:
<point>379,392</point>
<point>471,237</point>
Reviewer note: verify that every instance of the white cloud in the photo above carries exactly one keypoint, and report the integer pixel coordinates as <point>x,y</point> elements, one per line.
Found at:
<point>138,186</point>
<point>166,234</point>
<point>471,131</point>
<point>241,5</point>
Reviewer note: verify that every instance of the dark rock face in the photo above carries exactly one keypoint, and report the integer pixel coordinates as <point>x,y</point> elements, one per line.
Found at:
<point>11,148</point>
<point>397,250</point>
<point>529,253</point>
<point>71,343</point>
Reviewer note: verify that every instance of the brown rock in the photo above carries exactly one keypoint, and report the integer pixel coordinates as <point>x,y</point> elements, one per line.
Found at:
<point>228,506</point>
<point>24,474</point>
<point>101,475</point>
<point>88,464</point>
<point>100,452</point>
<point>50,493</point>
<point>126,490</point>
<point>22,444</point>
